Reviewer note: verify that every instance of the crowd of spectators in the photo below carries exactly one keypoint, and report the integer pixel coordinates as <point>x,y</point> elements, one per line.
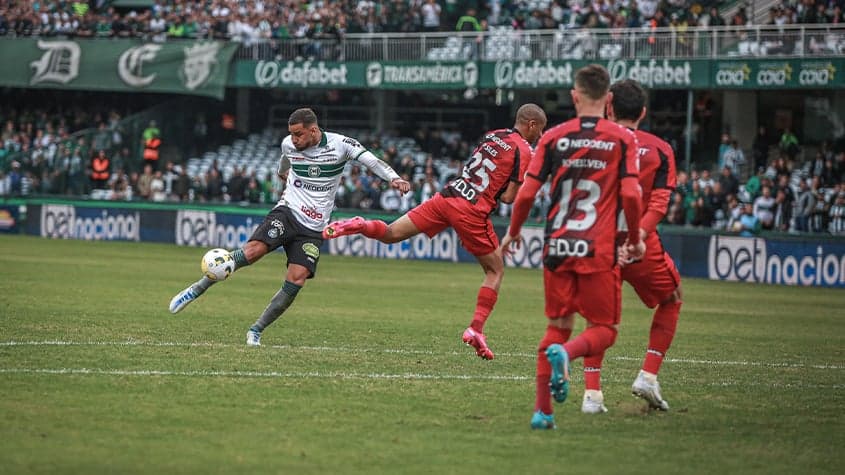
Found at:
<point>789,193</point>
<point>40,151</point>
<point>784,194</point>
<point>251,20</point>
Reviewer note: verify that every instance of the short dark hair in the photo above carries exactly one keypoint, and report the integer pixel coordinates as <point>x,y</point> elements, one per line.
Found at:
<point>304,116</point>
<point>629,98</point>
<point>594,80</point>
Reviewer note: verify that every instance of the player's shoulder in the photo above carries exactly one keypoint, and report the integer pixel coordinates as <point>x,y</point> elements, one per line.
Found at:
<point>653,140</point>
<point>511,136</point>
<point>612,128</point>
<point>287,144</point>
<point>342,140</point>
<point>555,132</point>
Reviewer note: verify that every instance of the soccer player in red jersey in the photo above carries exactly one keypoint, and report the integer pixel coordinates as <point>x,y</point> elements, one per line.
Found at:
<point>592,163</point>
<point>655,278</point>
<point>493,173</point>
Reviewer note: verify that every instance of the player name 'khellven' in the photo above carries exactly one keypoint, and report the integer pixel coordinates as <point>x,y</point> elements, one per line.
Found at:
<point>585,163</point>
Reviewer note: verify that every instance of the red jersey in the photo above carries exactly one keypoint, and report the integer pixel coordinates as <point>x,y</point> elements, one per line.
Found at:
<point>500,158</point>
<point>586,158</point>
<point>657,171</point>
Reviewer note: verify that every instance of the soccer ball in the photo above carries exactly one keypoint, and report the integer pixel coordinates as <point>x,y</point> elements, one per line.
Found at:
<point>217,264</point>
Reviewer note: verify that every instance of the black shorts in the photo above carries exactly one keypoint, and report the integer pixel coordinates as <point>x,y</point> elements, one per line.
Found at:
<point>302,245</point>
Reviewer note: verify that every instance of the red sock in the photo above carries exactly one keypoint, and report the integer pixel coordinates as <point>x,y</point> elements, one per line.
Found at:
<point>543,401</point>
<point>592,341</point>
<point>374,229</point>
<point>662,332</point>
<point>486,301</point>
<point>592,371</point>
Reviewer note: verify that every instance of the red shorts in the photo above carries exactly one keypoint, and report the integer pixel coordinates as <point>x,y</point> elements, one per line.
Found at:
<point>596,296</point>
<point>474,229</point>
<point>655,277</point>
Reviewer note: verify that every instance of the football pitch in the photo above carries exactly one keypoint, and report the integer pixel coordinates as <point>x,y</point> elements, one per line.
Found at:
<point>366,373</point>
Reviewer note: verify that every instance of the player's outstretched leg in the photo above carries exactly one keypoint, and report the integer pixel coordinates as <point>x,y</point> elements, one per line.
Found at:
<point>344,227</point>
<point>193,291</point>
<point>559,380</point>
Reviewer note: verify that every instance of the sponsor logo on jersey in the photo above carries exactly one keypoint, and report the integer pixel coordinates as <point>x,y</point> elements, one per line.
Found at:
<point>351,141</point>
<point>498,141</point>
<point>311,212</point>
<point>565,143</point>
<point>565,247</point>
<point>314,171</point>
<point>464,189</point>
<point>311,250</point>
<point>643,151</point>
<point>307,186</point>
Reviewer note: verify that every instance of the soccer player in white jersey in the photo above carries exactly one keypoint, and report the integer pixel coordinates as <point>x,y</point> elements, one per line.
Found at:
<point>312,163</point>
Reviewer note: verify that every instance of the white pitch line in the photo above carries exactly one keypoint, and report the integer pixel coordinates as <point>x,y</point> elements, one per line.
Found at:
<point>260,374</point>
<point>404,352</point>
<point>364,376</point>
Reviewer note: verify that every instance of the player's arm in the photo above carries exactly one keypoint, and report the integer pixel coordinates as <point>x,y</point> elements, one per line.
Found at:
<point>510,192</point>
<point>521,159</point>
<point>629,191</point>
<point>538,170</point>
<point>383,170</point>
<point>284,166</point>
<point>356,151</point>
<point>661,190</point>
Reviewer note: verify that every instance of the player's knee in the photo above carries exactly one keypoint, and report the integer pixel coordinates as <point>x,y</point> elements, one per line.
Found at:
<point>496,275</point>
<point>612,332</point>
<point>674,298</point>
<point>391,236</point>
<point>254,250</point>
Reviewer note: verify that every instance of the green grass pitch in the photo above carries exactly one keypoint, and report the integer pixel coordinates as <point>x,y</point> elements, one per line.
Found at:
<point>366,373</point>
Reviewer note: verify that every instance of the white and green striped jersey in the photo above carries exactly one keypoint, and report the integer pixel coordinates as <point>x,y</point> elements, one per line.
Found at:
<point>315,175</point>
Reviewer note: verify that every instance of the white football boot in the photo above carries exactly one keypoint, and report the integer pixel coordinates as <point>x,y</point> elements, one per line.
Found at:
<point>182,299</point>
<point>647,387</point>
<point>593,402</point>
<point>253,338</point>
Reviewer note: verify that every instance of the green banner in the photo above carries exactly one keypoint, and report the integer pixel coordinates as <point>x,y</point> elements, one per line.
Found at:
<point>422,75</point>
<point>778,74</point>
<point>376,75</point>
<point>654,73</point>
<point>298,74</point>
<point>184,67</point>
<point>541,74</point>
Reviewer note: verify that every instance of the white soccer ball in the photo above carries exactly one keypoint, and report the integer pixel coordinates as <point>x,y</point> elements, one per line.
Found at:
<point>217,264</point>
